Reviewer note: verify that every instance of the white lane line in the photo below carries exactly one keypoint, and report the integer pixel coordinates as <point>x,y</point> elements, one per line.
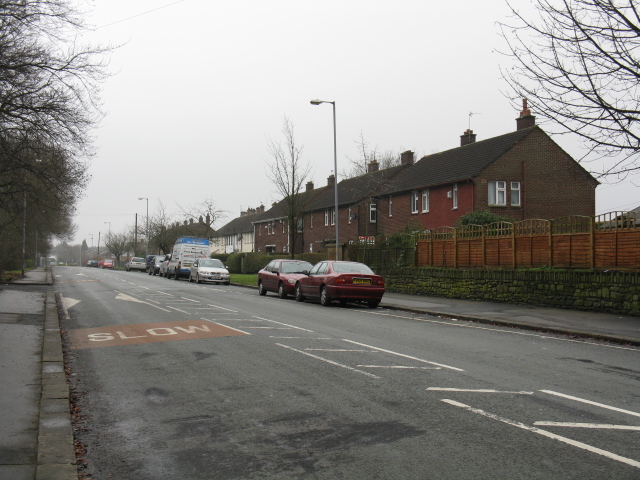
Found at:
<point>226,326</point>
<point>164,293</point>
<point>601,405</point>
<point>174,308</point>
<point>476,390</point>
<point>222,308</point>
<point>588,425</point>
<point>329,361</point>
<point>129,298</point>
<point>190,300</point>
<point>399,367</point>
<point>404,356</point>
<point>297,338</point>
<point>285,324</point>
<point>545,433</point>
<point>269,328</point>
<point>512,332</point>
<point>338,350</point>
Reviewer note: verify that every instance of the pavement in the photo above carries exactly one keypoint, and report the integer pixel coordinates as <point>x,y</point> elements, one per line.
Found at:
<point>36,436</point>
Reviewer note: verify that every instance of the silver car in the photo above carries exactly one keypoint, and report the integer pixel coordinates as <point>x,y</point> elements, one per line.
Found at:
<point>155,264</point>
<point>136,263</point>
<point>209,270</point>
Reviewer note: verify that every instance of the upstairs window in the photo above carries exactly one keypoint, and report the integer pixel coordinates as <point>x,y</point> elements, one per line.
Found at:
<point>373,213</point>
<point>414,202</point>
<point>390,206</point>
<point>455,196</point>
<point>515,194</point>
<point>425,200</point>
<point>497,192</point>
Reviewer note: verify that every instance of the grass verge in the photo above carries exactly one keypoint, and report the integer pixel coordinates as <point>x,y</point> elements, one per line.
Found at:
<point>245,279</point>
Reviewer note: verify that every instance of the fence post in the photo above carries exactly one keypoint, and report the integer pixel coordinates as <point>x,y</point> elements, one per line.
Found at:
<point>592,250</point>
<point>455,247</point>
<point>484,246</point>
<point>513,245</point>
<point>550,243</point>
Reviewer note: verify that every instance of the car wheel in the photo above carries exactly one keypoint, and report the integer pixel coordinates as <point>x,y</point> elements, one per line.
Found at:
<point>299,296</point>
<point>150,272</point>
<point>325,301</point>
<point>226,283</point>
<point>281,291</point>
<point>373,303</point>
<point>198,278</point>
<point>190,278</point>
<point>261,290</point>
<point>175,275</point>
<point>343,303</point>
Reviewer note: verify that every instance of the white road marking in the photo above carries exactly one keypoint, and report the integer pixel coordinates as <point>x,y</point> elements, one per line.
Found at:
<point>226,326</point>
<point>588,425</point>
<point>298,338</point>
<point>190,300</point>
<point>328,361</point>
<point>601,405</point>
<point>164,293</point>
<point>174,308</point>
<point>404,356</point>
<point>222,308</point>
<point>69,302</point>
<point>545,433</point>
<point>501,330</point>
<point>337,350</point>
<point>269,328</point>
<point>285,324</point>
<point>476,390</point>
<point>128,298</point>
<point>399,367</point>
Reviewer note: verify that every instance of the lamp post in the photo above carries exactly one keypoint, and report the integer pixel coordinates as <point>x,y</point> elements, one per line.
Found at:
<point>144,198</point>
<point>335,168</point>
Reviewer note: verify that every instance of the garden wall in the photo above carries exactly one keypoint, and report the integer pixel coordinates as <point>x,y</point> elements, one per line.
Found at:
<point>613,292</point>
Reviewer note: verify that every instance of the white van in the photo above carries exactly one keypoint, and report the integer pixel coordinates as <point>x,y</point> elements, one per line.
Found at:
<point>185,251</point>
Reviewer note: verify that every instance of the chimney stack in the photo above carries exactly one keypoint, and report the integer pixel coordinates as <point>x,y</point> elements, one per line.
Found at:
<point>406,158</point>
<point>373,166</point>
<point>525,120</point>
<point>309,186</point>
<point>331,181</point>
<point>467,137</point>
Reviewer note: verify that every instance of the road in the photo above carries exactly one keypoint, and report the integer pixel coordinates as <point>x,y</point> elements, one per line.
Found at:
<point>175,380</point>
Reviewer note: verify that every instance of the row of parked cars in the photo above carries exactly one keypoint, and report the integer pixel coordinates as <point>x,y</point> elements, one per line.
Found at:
<point>325,281</point>
<point>202,269</point>
<point>105,263</point>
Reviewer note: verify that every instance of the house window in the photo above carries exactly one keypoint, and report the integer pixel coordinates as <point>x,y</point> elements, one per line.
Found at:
<point>311,248</point>
<point>391,206</point>
<point>425,200</point>
<point>497,193</point>
<point>269,228</point>
<point>373,213</point>
<point>455,196</point>
<point>326,217</point>
<point>311,221</point>
<point>333,216</point>
<point>349,215</point>
<point>515,194</point>
<point>414,202</point>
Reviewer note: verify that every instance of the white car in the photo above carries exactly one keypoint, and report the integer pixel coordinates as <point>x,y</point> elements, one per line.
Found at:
<point>209,270</point>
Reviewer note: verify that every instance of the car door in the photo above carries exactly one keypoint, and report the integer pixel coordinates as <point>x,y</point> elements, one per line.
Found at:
<point>194,268</point>
<point>315,280</point>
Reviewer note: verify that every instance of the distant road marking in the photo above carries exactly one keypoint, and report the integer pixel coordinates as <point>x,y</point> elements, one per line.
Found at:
<point>337,350</point>
<point>174,308</point>
<point>164,293</point>
<point>405,356</point>
<point>69,302</point>
<point>285,324</point>
<point>400,367</point>
<point>476,390</point>
<point>601,405</point>
<point>588,425</point>
<point>267,328</point>
<point>190,300</point>
<point>227,326</point>
<point>545,433</point>
<point>129,298</point>
<point>328,361</point>
<point>222,308</point>
<point>297,338</point>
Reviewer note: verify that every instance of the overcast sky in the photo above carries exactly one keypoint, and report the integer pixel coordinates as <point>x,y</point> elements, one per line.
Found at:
<point>199,86</point>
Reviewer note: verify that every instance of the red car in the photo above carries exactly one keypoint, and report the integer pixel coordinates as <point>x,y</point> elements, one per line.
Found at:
<point>342,281</point>
<point>281,275</point>
<point>107,263</point>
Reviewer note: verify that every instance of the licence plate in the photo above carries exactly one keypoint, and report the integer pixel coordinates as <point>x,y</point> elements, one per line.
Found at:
<point>362,281</point>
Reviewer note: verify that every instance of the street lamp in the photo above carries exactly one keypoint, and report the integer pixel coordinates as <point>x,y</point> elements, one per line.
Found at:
<point>144,198</point>
<point>335,168</point>
<point>109,229</point>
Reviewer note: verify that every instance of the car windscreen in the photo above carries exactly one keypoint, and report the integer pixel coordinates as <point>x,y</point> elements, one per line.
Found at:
<point>295,267</point>
<point>137,259</point>
<point>352,268</point>
<point>214,262</point>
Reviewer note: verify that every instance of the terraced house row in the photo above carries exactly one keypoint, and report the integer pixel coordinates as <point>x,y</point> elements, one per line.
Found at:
<point>522,175</point>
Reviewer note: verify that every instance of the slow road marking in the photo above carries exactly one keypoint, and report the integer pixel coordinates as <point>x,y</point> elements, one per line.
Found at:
<point>117,335</point>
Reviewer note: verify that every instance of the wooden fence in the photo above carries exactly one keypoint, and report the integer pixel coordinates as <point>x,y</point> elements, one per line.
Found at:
<point>609,241</point>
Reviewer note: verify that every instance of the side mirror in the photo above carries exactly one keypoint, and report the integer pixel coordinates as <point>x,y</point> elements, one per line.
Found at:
<point>305,272</point>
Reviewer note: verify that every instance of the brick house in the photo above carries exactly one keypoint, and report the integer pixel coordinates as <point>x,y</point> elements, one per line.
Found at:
<point>521,175</point>
<point>237,235</point>
<point>357,213</point>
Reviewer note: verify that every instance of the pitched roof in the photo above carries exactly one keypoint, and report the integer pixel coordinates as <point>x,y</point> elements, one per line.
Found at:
<point>279,209</point>
<point>240,224</point>
<point>456,164</point>
<point>354,190</point>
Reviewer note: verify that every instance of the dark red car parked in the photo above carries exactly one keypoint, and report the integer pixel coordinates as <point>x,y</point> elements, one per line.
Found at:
<point>343,281</point>
<point>281,275</point>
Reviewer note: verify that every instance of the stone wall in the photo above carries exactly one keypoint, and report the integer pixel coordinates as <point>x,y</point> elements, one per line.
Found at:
<point>613,292</point>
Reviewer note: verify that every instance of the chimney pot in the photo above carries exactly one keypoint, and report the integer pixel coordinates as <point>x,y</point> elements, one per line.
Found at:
<point>525,120</point>
<point>373,166</point>
<point>309,186</point>
<point>467,137</point>
<point>406,158</point>
<point>331,181</point>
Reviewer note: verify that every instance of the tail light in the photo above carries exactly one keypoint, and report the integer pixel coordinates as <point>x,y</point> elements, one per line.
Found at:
<point>341,280</point>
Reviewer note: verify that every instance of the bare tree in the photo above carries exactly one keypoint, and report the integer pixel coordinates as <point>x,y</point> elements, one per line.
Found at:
<point>289,173</point>
<point>579,67</point>
<point>205,213</point>
<point>360,166</point>
<point>118,244</point>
